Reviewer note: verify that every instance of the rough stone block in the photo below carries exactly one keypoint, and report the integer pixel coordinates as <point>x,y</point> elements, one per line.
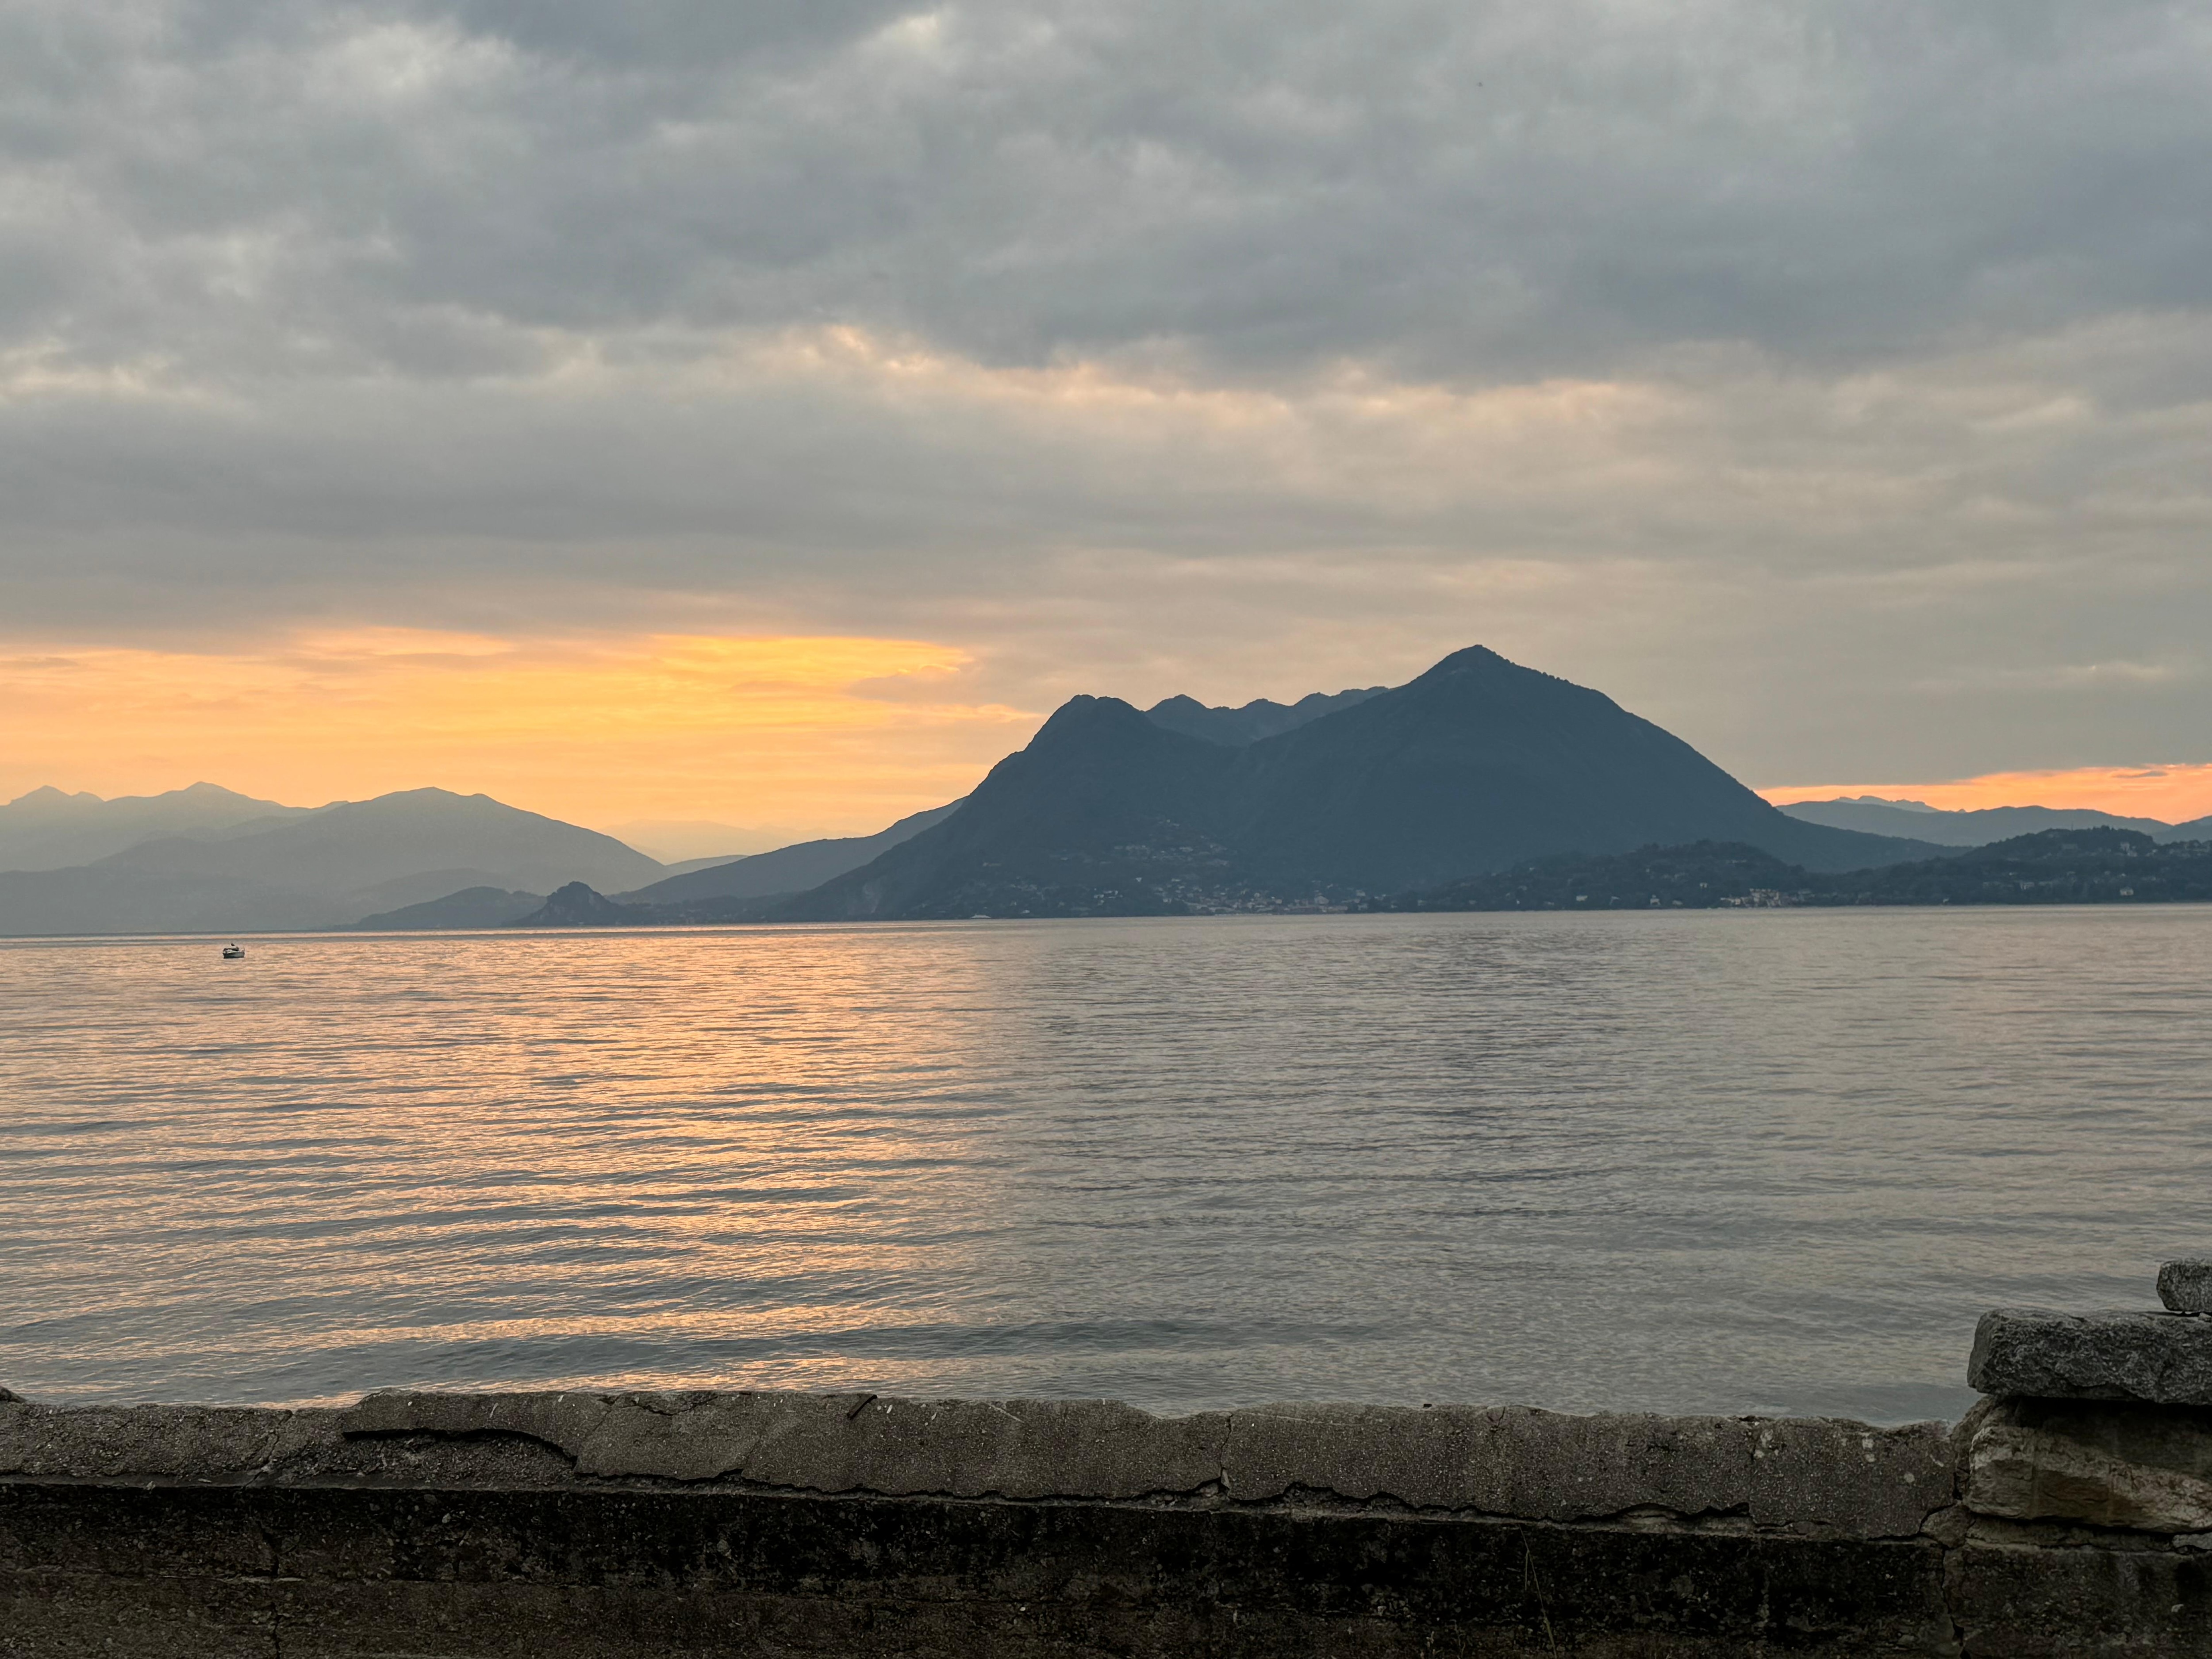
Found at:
<point>175,1443</point>
<point>1818,1474</point>
<point>636,1574</point>
<point>2161,1359</point>
<point>567,1420</point>
<point>1849,1478</point>
<point>2017,1602</point>
<point>837,1442</point>
<point>1547,1465</point>
<point>82,1615</point>
<point>2187,1287</point>
<point>2146,1467</point>
<point>1007,1448</point>
<point>123,1531</point>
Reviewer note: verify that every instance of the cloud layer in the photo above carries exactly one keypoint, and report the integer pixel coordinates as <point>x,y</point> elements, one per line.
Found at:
<point>1833,383</point>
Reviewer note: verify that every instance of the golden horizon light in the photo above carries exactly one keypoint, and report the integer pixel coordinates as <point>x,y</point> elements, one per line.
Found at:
<point>844,732</point>
<point>2177,793</point>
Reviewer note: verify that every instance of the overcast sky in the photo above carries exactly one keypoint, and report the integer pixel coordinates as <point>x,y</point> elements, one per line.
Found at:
<point>1831,383</point>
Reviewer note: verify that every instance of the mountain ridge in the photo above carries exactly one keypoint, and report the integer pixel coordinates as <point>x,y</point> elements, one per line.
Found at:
<point>1234,727</point>
<point>48,829</point>
<point>1974,827</point>
<point>2099,864</point>
<point>1471,765</point>
<point>792,869</point>
<point>315,867</point>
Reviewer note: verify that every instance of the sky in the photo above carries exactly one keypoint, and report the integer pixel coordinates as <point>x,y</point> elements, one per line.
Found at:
<point>768,413</point>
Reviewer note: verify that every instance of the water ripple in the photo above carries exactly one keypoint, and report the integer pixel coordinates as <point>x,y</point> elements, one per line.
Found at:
<point>1699,1162</point>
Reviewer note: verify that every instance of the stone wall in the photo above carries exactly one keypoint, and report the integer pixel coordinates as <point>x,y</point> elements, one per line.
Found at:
<point>605,1524</point>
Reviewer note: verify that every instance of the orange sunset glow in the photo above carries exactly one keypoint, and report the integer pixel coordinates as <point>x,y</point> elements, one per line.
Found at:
<point>844,733</point>
<point>2175,794</point>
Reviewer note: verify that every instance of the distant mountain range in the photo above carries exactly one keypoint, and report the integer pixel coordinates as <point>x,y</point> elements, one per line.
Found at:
<point>788,869</point>
<point>693,843</point>
<point>47,830</point>
<point>208,859</point>
<point>1979,827</point>
<point>1349,799</point>
<point>1477,765</point>
<point>294,867</point>
<point>2099,866</point>
<point>709,890</point>
<point>472,907</point>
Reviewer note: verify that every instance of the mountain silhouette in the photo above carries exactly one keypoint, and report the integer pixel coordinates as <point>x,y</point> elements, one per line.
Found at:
<point>49,829</point>
<point>2100,865</point>
<point>358,844</point>
<point>576,905</point>
<point>1103,811</point>
<point>1477,765</point>
<point>791,869</point>
<point>1480,763</point>
<point>1254,720</point>
<point>471,907</point>
<point>1977,827</point>
<point>323,867</point>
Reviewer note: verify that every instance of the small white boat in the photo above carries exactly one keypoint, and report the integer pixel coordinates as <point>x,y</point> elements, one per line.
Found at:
<point>233,952</point>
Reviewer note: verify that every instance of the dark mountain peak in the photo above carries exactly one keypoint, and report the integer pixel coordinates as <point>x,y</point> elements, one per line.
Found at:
<point>1096,740</point>
<point>579,905</point>
<point>1478,669</point>
<point>1083,717</point>
<point>1179,707</point>
<point>1088,807</point>
<point>1470,659</point>
<point>1478,764</point>
<point>1095,753</point>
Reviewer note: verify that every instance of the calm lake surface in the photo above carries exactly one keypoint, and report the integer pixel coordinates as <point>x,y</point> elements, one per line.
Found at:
<point>1706,1161</point>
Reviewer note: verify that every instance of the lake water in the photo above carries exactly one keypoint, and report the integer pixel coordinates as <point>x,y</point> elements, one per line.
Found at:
<point>1717,1161</point>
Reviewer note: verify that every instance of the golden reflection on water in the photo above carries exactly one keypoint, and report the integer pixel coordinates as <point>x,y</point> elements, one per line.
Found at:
<point>1694,1161</point>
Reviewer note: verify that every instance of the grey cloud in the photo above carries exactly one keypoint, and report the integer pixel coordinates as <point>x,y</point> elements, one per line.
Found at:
<point>1460,189</point>
<point>468,314</point>
<point>1867,578</point>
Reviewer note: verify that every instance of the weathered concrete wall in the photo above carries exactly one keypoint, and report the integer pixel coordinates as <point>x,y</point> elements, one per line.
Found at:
<point>787,1524</point>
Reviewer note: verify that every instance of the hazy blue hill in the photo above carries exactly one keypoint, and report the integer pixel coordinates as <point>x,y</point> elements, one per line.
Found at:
<point>2052,866</point>
<point>2101,866</point>
<point>357,844</point>
<point>788,869</point>
<point>1480,763</point>
<point>1978,828</point>
<point>1255,719</point>
<point>2195,829</point>
<point>472,907</point>
<point>685,866</point>
<point>1104,811</point>
<point>317,869</point>
<point>576,905</point>
<point>1477,765</point>
<point>1702,876</point>
<point>48,829</point>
